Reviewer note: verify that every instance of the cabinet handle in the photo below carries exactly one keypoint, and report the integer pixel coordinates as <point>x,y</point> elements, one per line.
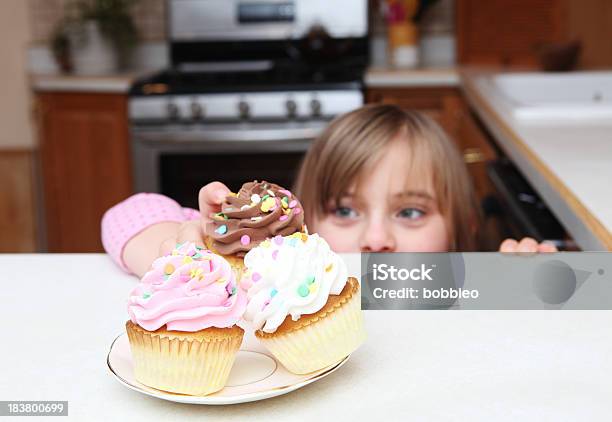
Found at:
<point>473,155</point>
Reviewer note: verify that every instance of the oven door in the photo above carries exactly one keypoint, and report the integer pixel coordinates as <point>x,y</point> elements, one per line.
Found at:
<point>177,160</point>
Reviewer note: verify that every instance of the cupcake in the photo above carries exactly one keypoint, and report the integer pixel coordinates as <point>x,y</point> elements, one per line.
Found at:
<point>304,308</point>
<point>258,211</point>
<point>182,328</point>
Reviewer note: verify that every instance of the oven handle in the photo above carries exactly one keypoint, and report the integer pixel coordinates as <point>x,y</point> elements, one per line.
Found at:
<point>225,135</point>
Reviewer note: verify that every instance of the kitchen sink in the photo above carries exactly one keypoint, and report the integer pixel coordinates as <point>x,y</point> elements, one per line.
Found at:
<point>556,96</point>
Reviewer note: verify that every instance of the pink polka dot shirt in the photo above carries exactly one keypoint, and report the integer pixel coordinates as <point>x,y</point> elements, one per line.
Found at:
<point>130,217</point>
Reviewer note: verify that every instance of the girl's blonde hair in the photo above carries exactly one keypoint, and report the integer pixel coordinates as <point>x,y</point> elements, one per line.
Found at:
<point>356,140</point>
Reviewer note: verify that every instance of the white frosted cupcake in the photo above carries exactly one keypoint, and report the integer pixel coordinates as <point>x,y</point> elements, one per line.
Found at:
<point>304,307</point>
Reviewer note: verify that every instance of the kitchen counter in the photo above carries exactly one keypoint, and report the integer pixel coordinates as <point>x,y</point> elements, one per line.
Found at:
<point>61,313</point>
<point>387,76</point>
<point>568,164</point>
<point>112,84</point>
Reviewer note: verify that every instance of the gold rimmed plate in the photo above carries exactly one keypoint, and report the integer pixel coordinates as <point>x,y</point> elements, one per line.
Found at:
<point>256,375</point>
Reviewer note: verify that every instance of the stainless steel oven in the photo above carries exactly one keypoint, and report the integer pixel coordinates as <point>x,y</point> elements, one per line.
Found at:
<point>252,83</point>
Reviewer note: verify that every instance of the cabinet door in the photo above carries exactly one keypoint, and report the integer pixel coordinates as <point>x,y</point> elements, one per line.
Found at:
<point>85,160</point>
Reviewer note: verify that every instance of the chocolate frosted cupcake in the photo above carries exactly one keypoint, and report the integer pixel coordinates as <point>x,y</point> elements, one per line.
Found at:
<point>258,211</point>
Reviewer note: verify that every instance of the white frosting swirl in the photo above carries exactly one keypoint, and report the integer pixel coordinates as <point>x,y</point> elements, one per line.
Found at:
<point>291,275</point>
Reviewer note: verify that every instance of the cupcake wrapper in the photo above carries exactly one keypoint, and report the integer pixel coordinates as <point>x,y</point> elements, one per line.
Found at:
<point>323,343</point>
<point>182,365</point>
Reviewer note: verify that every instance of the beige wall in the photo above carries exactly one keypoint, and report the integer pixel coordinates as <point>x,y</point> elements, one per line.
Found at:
<point>15,118</point>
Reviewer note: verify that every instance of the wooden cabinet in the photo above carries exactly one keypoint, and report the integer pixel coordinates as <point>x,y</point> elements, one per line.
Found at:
<point>447,106</point>
<point>85,159</point>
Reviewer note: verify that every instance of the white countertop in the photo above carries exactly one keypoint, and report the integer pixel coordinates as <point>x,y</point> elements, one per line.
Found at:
<point>61,312</point>
<point>389,77</point>
<point>568,164</point>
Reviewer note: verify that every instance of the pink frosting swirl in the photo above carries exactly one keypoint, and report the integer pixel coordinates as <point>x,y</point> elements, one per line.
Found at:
<point>189,290</point>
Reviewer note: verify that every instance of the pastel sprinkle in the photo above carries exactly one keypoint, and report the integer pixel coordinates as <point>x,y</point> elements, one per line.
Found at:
<point>283,217</point>
<point>303,290</point>
<point>146,295</point>
<point>292,204</point>
<point>278,239</point>
<point>263,198</point>
<point>233,291</point>
<point>256,199</point>
<point>286,192</point>
<point>265,244</point>
<point>245,207</point>
<point>296,211</point>
<point>195,272</point>
<point>257,218</point>
<point>304,237</point>
<point>187,260</point>
<point>256,277</point>
<point>292,241</point>
<point>169,269</point>
<point>310,279</point>
<point>221,280</point>
<point>329,267</point>
<point>313,288</point>
<point>245,239</point>
<point>275,254</point>
<point>273,292</point>
<point>267,204</point>
<point>270,192</point>
<point>266,303</point>
<point>222,229</point>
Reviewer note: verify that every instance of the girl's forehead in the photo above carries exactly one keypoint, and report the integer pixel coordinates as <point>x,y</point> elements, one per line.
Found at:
<point>397,173</point>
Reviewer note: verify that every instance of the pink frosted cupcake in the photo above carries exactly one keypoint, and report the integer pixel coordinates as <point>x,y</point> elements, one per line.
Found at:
<point>182,327</point>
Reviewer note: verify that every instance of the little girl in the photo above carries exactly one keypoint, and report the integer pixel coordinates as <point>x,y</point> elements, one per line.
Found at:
<point>378,179</point>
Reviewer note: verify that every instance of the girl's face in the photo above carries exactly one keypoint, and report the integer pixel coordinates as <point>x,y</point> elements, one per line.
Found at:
<point>380,214</point>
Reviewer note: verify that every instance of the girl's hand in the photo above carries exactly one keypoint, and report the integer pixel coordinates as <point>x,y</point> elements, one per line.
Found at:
<point>527,244</point>
<point>210,199</point>
<point>188,231</point>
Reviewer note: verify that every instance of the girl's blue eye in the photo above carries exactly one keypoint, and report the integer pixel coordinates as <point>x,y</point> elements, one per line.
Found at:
<point>345,212</point>
<point>411,213</point>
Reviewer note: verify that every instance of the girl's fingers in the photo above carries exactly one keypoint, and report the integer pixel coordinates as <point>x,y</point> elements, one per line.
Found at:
<point>190,231</point>
<point>211,197</point>
<point>527,244</point>
<point>508,246</point>
<point>546,247</point>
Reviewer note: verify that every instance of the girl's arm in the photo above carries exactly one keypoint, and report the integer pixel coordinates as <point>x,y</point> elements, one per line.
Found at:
<point>148,225</point>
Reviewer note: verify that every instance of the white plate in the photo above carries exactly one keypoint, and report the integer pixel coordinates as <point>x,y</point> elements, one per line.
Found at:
<point>256,375</point>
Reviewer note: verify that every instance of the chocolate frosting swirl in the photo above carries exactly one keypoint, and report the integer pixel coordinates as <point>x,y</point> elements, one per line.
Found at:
<point>258,211</point>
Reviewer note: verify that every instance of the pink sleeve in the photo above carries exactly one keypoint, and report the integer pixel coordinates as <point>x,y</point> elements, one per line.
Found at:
<point>128,218</point>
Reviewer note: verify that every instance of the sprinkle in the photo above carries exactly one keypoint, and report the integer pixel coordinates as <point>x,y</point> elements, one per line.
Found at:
<point>232,194</point>
<point>304,237</point>
<point>195,272</point>
<point>292,241</point>
<point>222,229</point>
<point>273,292</point>
<point>187,260</point>
<point>292,204</point>
<point>199,248</point>
<point>169,269</point>
<point>245,207</point>
<point>267,204</point>
<point>265,244</point>
<point>256,199</point>
<point>310,279</point>
<point>256,277</point>
<point>221,280</point>
<point>286,192</point>
<point>146,295</point>
<point>265,197</point>
<point>257,218</point>
<point>233,291</point>
<point>221,216</point>
<point>286,211</point>
<point>275,254</point>
<point>296,211</point>
<point>175,252</point>
<point>329,267</point>
<point>303,290</point>
<point>266,303</point>
<point>283,217</point>
<point>278,239</point>
<point>245,239</point>
<point>313,288</point>
<point>270,192</point>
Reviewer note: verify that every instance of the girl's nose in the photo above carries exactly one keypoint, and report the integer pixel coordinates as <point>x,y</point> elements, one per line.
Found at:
<point>377,238</point>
